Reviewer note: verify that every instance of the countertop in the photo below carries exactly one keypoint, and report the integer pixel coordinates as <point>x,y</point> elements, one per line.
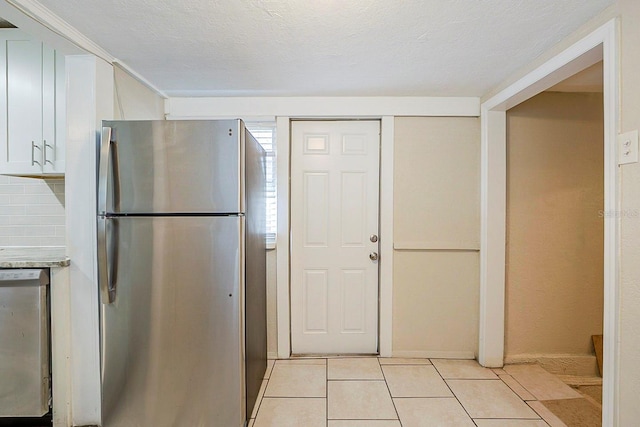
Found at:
<point>33,257</point>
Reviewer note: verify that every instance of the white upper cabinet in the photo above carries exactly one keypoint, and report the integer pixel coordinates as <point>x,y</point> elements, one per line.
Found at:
<point>32,107</point>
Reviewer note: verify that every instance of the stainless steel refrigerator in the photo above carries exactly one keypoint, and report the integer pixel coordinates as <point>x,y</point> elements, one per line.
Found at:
<point>181,266</point>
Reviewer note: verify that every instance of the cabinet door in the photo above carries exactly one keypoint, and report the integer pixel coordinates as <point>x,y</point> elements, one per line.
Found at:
<point>32,107</point>
<point>53,108</point>
<point>24,149</point>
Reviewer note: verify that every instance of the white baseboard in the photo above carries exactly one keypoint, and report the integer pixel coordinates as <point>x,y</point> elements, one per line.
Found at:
<point>560,364</point>
<point>435,354</point>
<point>415,354</point>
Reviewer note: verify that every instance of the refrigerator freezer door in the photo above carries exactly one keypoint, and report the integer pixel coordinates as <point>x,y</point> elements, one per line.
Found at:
<point>172,341</point>
<point>165,166</point>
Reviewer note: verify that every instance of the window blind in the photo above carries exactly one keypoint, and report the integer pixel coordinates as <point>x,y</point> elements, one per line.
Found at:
<point>265,134</point>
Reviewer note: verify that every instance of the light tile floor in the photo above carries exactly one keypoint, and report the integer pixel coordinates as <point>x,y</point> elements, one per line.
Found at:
<point>379,392</point>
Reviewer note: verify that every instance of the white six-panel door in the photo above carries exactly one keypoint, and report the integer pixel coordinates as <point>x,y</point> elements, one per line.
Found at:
<point>334,236</point>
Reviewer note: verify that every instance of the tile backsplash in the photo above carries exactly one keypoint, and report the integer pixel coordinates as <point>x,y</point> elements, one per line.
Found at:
<point>31,212</point>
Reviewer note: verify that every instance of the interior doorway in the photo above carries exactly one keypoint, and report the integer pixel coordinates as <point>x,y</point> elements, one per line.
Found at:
<point>599,45</point>
<point>555,236</point>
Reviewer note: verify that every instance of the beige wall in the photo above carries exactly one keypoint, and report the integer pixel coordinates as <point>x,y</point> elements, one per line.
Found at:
<point>629,366</point>
<point>555,227</point>
<point>133,100</point>
<point>436,232</point>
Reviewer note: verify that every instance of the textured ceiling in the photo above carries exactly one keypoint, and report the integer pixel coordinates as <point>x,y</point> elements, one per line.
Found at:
<point>326,47</point>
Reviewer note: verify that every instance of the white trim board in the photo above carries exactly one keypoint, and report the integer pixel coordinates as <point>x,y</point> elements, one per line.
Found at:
<point>60,346</point>
<point>326,107</point>
<point>387,131</point>
<point>600,44</point>
<point>283,133</point>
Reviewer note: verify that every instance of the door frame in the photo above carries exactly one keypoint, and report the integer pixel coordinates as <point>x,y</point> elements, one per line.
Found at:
<point>283,136</point>
<point>601,44</point>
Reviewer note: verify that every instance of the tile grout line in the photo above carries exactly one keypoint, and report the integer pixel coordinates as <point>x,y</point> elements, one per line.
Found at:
<point>539,414</point>
<point>510,419</point>
<point>538,399</point>
<point>265,392</point>
<point>454,395</point>
<point>381,366</point>
<point>295,397</point>
<point>516,380</point>
<point>389,390</point>
<point>525,401</point>
<point>425,397</point>
<point>523,387</point>
<point>499,377</point>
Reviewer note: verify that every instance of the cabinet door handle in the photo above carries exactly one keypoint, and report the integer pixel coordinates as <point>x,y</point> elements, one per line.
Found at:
<point>44,153</point>
<point>33,153</point>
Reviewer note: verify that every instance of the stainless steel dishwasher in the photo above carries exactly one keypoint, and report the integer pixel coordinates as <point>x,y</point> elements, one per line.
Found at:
<point>24,343</point>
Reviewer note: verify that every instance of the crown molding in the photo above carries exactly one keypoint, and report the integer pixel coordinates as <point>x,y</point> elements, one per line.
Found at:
<point>62,28</point>
<point>53,22</point>
<point>319,106</point>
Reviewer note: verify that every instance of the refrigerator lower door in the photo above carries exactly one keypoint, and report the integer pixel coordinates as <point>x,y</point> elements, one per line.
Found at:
<point>172,341</point>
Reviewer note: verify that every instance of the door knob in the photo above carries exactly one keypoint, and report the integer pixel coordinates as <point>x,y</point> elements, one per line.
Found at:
<point>373,256</point>
<point>373,238</point>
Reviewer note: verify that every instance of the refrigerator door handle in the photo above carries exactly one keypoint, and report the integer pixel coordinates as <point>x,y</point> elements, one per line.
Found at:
<point>106,277</point>
<point>107,146</point>
<point>103,169</point>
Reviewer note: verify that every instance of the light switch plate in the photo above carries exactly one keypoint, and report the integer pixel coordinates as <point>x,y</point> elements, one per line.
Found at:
<point>628,147</point>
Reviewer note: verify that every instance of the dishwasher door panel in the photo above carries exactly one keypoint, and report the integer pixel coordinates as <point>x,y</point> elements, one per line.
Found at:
<point>24,351</point>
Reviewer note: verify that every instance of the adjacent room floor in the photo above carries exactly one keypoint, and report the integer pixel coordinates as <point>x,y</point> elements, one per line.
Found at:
<point>381,392</point>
